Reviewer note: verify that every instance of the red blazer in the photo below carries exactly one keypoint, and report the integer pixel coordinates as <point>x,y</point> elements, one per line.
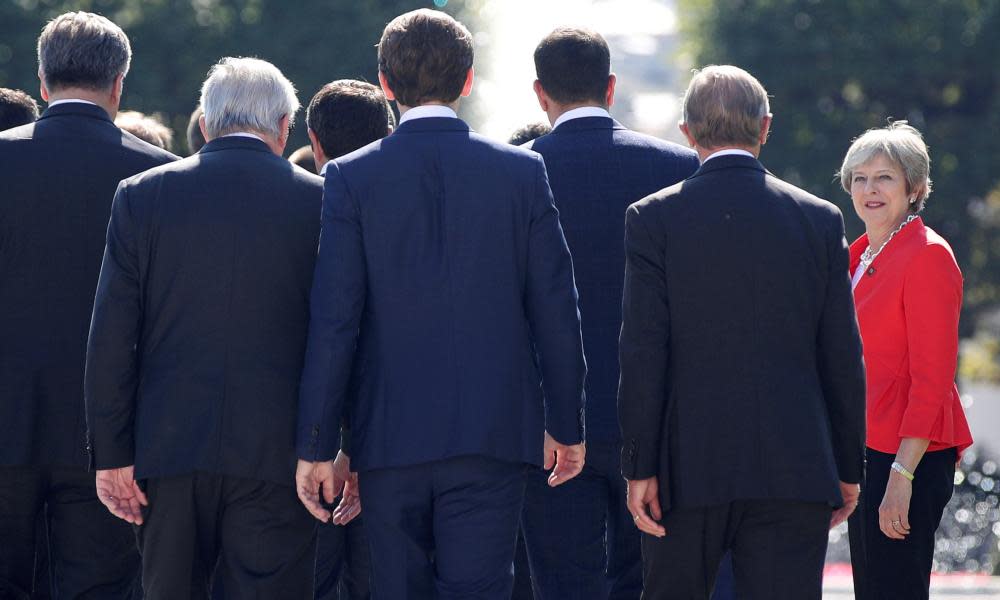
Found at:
<point>908,304</point>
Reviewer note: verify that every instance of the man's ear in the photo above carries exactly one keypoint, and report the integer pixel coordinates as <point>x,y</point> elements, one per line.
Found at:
<point>319,157</point>
<point>543,98</point>
<point>384,83</point>
<point>687,133</point>
<point>42,90</point>
<point>203,128</point>
<point>765,128</point>
<point>609,98</point>
<point>467,86</point>
<point>116,90</point>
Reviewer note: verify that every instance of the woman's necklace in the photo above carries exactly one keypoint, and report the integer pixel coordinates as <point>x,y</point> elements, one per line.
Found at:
<point>868,257</point>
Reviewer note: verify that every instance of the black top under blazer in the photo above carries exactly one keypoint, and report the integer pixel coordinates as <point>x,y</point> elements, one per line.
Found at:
<point>742,375</point>
<point>597,168</point>
<point>58,177</point>
<point>201,314</point>
<point>444,279</point>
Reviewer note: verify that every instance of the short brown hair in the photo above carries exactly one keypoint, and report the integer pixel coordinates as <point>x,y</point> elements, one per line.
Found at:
<point>148,128</point>
<point>724,106</point>
<point>81,49</point>
<point>425,56</point>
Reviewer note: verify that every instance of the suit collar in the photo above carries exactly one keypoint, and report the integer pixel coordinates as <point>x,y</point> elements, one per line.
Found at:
<point>587,123</point>
<point>235,143</point>
<point>729,161</point>
<point>82,109</point>
<point>427,124</point>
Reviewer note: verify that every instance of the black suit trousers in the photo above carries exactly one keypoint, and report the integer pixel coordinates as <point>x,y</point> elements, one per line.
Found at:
<point>778,548</point>
<point>254,537</point>
<point>885,568</point>
<point>92,553</point>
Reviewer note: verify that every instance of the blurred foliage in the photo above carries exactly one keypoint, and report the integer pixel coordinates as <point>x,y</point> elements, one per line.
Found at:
<point>174,42</point>
<point>835,69</point>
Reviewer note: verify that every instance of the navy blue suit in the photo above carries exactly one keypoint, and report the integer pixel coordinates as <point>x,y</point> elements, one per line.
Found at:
<point>443,272</point>
<point>581,540</point>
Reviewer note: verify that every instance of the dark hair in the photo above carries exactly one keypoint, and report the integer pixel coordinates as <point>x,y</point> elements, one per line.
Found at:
<point>81,49</point>
<point>525,134</point>
<point>425,56</point>
<point>195,139</point>
<point>16,108</point>
<point>347,114</point>
<point>304,158</point>
<point>573,65</point>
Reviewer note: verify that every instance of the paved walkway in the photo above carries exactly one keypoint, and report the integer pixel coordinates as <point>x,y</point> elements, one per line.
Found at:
<point>837,586</point>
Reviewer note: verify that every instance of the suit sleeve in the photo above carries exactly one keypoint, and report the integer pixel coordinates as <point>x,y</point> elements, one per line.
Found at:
<point>551,307</point>
<point>336,305</point>
<point>111,378</point>
<point>643,350</point>
<point>840,362</point>
<point>932,302</point>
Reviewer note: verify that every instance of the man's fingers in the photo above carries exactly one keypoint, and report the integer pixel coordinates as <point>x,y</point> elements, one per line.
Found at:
<point>550,459</point>
<point>348,508</point>
<point>904,520</point>
<point>309,496</point>
<point>139,494</point>
<point>654,509</point>
<point>329,491</point>
<point>644,523</point>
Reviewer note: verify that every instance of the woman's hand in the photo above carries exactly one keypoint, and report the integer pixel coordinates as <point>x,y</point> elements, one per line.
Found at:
<point>894,513</point>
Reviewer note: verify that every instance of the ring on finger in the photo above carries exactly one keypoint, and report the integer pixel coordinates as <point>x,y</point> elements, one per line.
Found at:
<point>635,517</point>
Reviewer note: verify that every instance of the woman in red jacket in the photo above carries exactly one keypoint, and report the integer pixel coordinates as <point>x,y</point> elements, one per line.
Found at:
<point>908,294</point>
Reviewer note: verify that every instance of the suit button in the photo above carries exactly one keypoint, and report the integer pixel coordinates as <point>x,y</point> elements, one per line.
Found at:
<point>315,430</point>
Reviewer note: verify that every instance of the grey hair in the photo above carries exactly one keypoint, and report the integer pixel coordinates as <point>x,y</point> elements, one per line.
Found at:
<point>724,106</point>
<point>81,49</point>
<point>902,144</point>
<point>243,94</point>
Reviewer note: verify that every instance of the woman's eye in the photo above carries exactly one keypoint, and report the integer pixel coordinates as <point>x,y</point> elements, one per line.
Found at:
<point>859,179</point>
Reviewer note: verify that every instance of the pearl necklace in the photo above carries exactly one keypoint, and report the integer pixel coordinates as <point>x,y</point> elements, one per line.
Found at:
<point>868,257</point>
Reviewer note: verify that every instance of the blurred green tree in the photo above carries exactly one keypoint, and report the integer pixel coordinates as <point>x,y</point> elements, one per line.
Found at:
<point>835,69</point>
<point>174,42</point>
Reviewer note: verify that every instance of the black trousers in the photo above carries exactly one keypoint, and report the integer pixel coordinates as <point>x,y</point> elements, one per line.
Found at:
<point>443,530</point>
<point>254,536</point>
<point>778,548</point>
<point>92,553</point>
<point>343,561</point>
<point>885,568</point>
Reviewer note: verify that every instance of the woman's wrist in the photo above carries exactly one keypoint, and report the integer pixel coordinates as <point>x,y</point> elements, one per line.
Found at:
<point>901,470</point>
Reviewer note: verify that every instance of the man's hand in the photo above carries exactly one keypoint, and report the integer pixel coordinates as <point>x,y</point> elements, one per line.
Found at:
<point>567,460</point>
<point>644,504</point>
<point>310,478</point>
<point>117,490</point>
<point>350,500</point>
<point>850,493</point>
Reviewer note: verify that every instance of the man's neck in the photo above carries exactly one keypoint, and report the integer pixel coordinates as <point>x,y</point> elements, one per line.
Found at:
<point>99,98</point>
<point>557,110</point>
<point>403,108</point>
<point>704,153</point>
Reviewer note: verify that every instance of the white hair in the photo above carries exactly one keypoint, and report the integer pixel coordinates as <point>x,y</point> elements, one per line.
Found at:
<point>247,94</point>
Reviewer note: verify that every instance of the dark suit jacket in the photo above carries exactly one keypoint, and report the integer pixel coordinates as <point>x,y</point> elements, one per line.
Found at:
<point>444,250</point>
<point>742,375</point>
<point>201,315</point>
<point>58,176</point>
<point>597,168</point>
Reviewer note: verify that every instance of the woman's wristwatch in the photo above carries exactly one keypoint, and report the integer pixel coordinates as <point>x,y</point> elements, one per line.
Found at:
<point>899,468</point>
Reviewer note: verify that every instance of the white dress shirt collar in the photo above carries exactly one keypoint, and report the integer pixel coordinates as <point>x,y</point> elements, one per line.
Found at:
<point>728,152</point>
<point>428,110</point>
<point>68,100</point>
<point>579,113</point>
<point>243,134</point>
